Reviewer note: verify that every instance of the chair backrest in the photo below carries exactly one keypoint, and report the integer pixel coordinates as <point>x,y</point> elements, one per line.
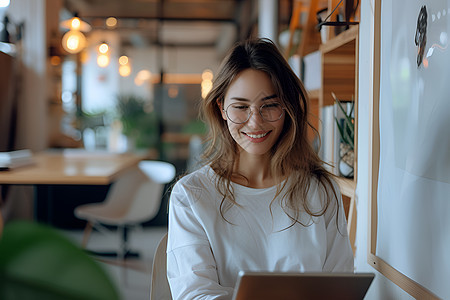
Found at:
<point>137,194</point>
<point>158,171</point>
<point>160,289</point>
<point>148,196</point>
<point>123,190</point>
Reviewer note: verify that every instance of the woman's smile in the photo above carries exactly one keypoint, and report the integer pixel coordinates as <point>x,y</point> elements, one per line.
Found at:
<point>257,137</point>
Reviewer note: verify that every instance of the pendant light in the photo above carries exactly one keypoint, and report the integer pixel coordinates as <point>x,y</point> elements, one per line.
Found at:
<point>74,41</point>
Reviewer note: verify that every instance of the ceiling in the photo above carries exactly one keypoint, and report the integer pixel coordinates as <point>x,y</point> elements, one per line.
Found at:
<point>171,23</point>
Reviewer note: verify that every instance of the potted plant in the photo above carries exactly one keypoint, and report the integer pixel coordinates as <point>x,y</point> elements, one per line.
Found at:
<point>139,121</point>
<point>37,262</point>
<point>347,144</point>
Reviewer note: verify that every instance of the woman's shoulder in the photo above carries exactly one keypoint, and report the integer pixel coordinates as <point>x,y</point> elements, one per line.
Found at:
<point>325,182</point>
<point>198,178</point>
<point>192,186</point>
<point>318,182</point>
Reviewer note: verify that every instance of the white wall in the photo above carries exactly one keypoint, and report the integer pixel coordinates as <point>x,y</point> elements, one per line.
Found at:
<point>100,86</point>
<point>382,288</point>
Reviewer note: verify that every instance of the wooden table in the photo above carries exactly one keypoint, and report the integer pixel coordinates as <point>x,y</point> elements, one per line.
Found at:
<point>78,167</point>
<point>70,170</point>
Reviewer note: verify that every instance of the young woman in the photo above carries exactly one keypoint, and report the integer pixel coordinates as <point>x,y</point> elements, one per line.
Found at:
<point>263,201</point>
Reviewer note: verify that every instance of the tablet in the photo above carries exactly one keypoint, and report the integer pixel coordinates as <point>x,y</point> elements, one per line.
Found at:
<point>299,286</point>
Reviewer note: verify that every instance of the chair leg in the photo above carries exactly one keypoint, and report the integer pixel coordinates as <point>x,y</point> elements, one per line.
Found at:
<point>1,223</point>
<point>121,255</point>
<point>86,234</point>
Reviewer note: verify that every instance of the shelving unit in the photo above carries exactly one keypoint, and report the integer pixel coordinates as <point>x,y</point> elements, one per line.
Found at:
<point>339,66</point>
<point>339,74</point>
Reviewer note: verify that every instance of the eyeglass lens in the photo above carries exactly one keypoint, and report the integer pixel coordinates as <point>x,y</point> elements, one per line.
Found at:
<point>240,113</point>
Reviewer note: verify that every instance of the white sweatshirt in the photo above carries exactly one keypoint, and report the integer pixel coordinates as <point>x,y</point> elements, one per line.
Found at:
<point>205,253</point>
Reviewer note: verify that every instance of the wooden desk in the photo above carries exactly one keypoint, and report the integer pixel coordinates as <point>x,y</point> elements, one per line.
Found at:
<point>58,168</point>
<point>71,171</point>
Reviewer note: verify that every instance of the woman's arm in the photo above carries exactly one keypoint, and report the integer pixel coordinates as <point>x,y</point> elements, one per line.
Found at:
<point>191,267</point>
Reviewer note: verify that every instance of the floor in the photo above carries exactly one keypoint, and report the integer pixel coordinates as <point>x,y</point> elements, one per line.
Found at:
<point>132,279</point>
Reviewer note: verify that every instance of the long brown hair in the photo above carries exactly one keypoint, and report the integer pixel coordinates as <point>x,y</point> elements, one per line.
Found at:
<point>292,155</point>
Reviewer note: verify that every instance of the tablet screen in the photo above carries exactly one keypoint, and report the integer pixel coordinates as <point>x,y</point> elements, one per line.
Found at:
<point>299,286</point>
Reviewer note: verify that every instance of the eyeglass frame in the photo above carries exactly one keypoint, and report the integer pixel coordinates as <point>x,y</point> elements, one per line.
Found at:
<point>251,112</point>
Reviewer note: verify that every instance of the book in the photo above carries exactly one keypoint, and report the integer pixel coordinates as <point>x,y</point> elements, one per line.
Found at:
<point>312,71</point>
<point>15,159</point>
<point>327,136</point>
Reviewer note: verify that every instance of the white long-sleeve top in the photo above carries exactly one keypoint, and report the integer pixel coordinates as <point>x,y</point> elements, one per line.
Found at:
<point>205,253</point>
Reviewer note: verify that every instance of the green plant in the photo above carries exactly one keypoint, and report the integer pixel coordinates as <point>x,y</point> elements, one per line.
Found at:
<point>37,262</point>
<point>138,120</point>
<point>347,129</point>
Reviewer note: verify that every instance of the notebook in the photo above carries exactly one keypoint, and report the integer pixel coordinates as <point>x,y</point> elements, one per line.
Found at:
<point>301,286</point>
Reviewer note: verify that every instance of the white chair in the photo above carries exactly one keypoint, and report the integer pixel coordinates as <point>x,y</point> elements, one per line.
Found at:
<point>133,199</point>
<point>160,289</point>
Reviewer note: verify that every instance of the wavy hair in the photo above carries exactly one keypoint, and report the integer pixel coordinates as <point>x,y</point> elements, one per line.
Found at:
<point>292,155</point>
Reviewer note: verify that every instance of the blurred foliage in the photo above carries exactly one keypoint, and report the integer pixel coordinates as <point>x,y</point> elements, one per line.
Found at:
<point>91,120</point>
<point>37,262</point>
<point>195,127</point>
<point>139,121</point>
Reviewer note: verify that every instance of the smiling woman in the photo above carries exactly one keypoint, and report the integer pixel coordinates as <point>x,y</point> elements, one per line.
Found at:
<point>254,132</point>
<point>263,200</point>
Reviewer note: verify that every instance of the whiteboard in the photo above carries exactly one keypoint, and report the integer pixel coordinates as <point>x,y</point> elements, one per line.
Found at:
<point>412,210</point>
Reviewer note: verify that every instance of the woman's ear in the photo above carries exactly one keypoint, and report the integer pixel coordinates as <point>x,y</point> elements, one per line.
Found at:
<point>224,114</point>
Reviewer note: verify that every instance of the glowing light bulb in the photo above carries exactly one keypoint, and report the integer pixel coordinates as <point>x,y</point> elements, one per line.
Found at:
<point>207,75</point>
<point>75,24</point>
<point>206,87</point>
<point>73,41</point>
<point>142,76</point>
<point>103,48</point>
<point>123,60</point>
<point>111,22</point>
<point>4,3</point>
<point>103,60</point>
<point>124,70</point>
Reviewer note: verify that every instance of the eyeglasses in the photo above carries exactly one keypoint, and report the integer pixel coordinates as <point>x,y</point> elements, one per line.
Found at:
<point>239,113</point>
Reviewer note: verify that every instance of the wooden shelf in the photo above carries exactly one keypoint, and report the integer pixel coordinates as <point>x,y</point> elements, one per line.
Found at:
<point>345,37</point>
<point>339,62</point>
<point>347,185</point>
<point>310,38</point>
<point>339,74</point>
<point>314,113</point>
<point>314,94</point>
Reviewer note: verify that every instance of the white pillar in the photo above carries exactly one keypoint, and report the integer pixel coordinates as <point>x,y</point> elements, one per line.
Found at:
<point>268,19</point>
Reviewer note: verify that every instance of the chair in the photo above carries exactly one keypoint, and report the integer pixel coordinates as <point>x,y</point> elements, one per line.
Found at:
<point>133,199</point>
<point>160,289</point>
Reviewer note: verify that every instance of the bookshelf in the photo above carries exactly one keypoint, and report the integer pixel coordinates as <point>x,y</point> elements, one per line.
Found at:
<point>339,74</point>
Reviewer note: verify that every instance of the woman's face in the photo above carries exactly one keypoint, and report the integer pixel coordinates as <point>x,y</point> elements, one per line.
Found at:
<point>249,91</point>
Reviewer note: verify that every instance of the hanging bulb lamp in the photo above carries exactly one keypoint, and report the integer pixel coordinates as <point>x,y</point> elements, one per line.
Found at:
<point>73,41</point>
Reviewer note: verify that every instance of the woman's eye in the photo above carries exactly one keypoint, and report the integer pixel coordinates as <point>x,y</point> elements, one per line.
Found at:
<point>240,107</point>
<point>272,105</point>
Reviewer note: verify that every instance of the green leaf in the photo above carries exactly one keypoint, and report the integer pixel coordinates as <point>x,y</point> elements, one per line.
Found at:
<point>347,132</point>
<point>36,262</point>
<point>137,120</point>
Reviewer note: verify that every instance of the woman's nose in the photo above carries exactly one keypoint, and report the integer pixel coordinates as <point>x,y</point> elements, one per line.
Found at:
<point>255,116</point>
